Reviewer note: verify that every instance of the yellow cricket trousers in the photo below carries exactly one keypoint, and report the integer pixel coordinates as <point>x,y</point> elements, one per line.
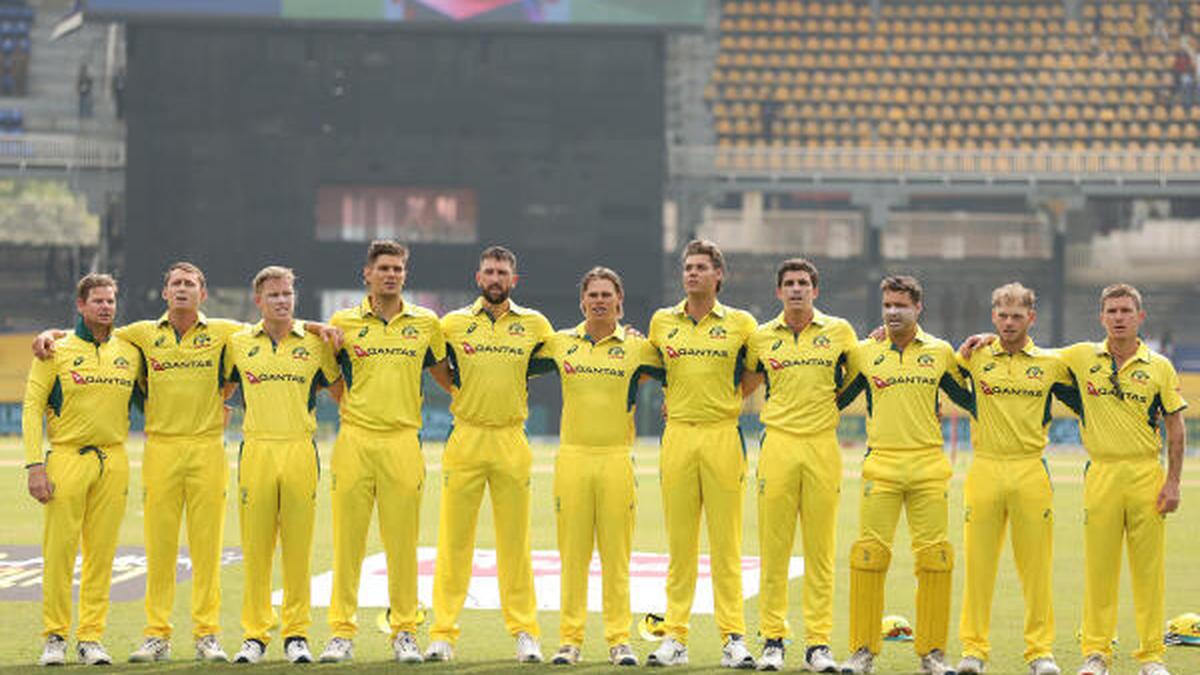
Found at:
<point>181,472</point>
<point>915,481</point>
<point>1000,491</point>
<point>371,469</point>
<point>1119,506</point>
<point>499,459</point>
<point>595,504</point>
<point>798,476</point>
<point>277,490</point>
<point>703,466</point>
<point>90,488</point>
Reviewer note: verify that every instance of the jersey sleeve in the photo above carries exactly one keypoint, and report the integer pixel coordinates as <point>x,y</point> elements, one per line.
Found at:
<point>754,353</point>
<point>846,337</point>
<point>651,362</point>
<point>1170,393</point>
<point>41,383</point>
<point>437,343</point>
<point>854,381</point>
<point>956,381</point>
<point>1065,388</point>
<point>656,330</point>
<point>228,366</point>
<point>329,365</point>
<point>543,360</point>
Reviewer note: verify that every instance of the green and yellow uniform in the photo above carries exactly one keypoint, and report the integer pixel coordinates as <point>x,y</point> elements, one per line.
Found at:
<point>490,358</point>
<point>1009,480</point>
<point>377,457</point>
<point>800,465</point>
<point>595,494</point>
<point>84,391</point>
<point>905,469</point>
<point>703,463</point>
<point>1122,410</point>
<point>184,465</point>
<point>278,468</point>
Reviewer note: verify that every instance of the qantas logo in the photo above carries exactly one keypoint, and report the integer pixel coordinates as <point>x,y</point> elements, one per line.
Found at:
<point>363,353</point>
<point>883,383</point>
<point>776,364</point>
<point>274,377</point>
<point>161,366</point>
<point>1001,390</point>
<point>1093,390</point>
<point>687,351</point>
<point>99,379</point>
<point>569,369</point>
<point>469,348</point>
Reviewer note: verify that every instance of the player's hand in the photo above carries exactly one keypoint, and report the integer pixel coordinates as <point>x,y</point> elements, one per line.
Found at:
<point>879,334</point>
<point>43,344</point>
<point>1168,497</point>
<point>664,411</point>
<point>330,334</point>
<point>976,341</point>
<point>630,330</point>
<point>228,412</point>
<point>40,487</point>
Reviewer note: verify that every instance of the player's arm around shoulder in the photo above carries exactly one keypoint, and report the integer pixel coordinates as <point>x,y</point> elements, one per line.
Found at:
<point>855,380</point>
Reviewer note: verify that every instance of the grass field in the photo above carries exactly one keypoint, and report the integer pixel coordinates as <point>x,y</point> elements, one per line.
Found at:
<point>486,648</point>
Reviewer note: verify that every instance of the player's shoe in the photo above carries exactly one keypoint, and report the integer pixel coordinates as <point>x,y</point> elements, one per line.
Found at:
<point>208,648</point>
<point>971,665</point>
<point>251,652</point>
<point>567,655</point>
<point>55,651</point>
<point>772,655</point>
<point>622,655</point>
<point>671,652</point>
<point>405,648</point>
<point>1043,666</point>
<point>934,663</point>
<point>528,649</point>
<point>92,654</point>
<point>819,659</point>
<point>861,662</point>
<point>734,654</point>
<point>152,649</point>
<point>1093,665</point>
<point>296,650</point>
<point>439,650</point>
<point>1153,668</point>
<point>337,650</point>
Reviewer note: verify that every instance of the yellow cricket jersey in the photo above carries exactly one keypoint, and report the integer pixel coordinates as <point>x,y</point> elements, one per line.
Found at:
<point>1121,422</point>
<point>183,395</point>
<point>1012,398</point>
<point>489,357</point>
<point>279,382</point>
<point>599,383</point>
<point>381,364</point>
<point>902,390</point>
<point>703,361</point>
<point>803,371</point>
<point>88,387</point>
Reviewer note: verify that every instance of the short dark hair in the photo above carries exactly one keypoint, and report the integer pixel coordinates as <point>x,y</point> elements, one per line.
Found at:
<point>499,253</point>
<point>386,247</point>
<point>708,248</point>
<point>796,265</point>
<point>902,283</point>
<point>186,267</point>
<point>93,280</point>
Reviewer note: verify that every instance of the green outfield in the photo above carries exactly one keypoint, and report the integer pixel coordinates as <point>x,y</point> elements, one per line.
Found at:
<point>485,647</point>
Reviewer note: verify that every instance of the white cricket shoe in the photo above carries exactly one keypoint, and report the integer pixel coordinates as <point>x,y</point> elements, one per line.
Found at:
<point>152,649</point>
<point>439,650</point>
<point>296,650</point>
<point>970,665</point>
<point>251,652</point>
<point>734,654</point>
<point>622,655</point>
<point>819,659</point>
<point>1044,666</point>
<point>405,648</point>
<point>567,655</point>
<point>861,662</point>
<point>337,650</point>
<point>92,654</point>
<point>772,655</point>
<point>208,648</point>
<point>934,663</point>
<point>1094,665</point>
<point>1153,668</point>
<point>55,651</point>
<point>528,649</point>
<point>671,652</point>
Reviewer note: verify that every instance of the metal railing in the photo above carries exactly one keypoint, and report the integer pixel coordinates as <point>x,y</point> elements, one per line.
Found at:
<point>67,151</point>
<point>908,164</point>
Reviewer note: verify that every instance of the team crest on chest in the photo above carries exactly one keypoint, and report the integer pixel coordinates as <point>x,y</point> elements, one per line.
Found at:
<point>717,332</point>
<point>516,329</point>
<point>300,354</point>
<point>821,342</point>
<point>616,352</point>
<point>201,341</point>
<point>1034,373</point>
<point>121,362</point>
<point>1140,376</point>
<point>925,361</point>
<point>410,332</point>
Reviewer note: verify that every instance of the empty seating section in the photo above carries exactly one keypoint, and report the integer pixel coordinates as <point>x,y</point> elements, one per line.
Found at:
<point>951,74</point>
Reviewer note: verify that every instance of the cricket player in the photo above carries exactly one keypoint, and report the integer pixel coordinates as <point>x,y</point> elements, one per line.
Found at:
<point>1009,481</point>
<point>377,461</point>
<point>1129,396</point>
<point>279,367</point>
<point>595,494</point>
<point>904,469</point>
<point>489,345</point>
<point>84,392</point>
<point>801,355</point>
<point>703,462</point>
